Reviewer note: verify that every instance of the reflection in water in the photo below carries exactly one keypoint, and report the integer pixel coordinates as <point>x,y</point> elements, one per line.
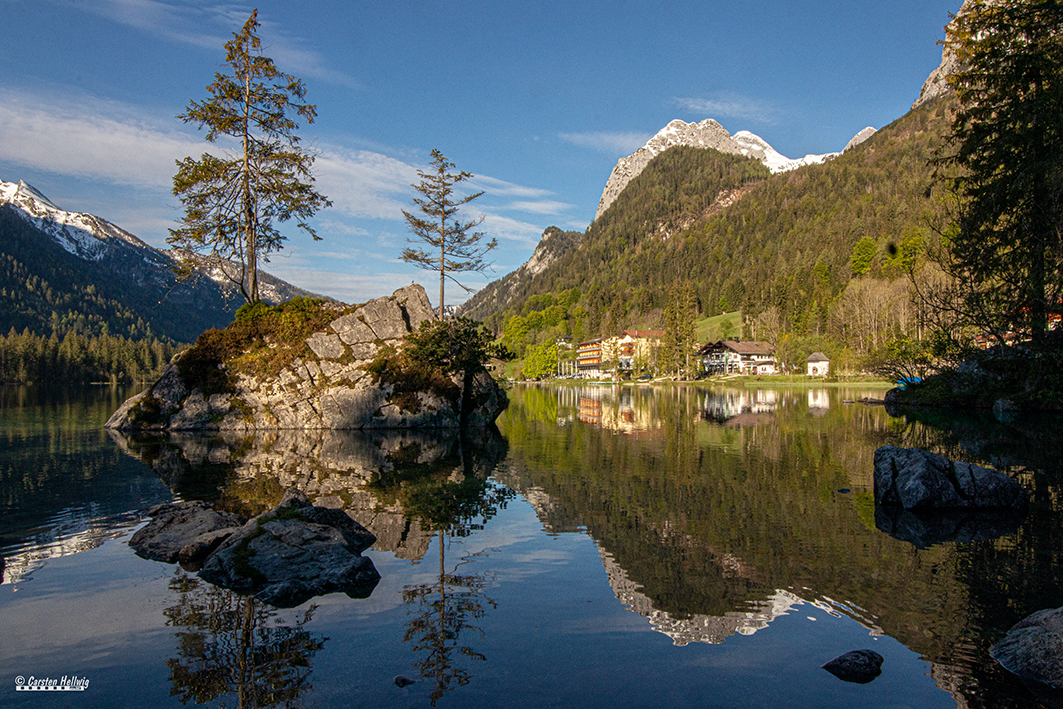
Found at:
<point>64,489</point>
<point>752,501</point>
<point>366,474</point>
<point>404,486</point>
<point>234,647</point>
<point>442,615</point>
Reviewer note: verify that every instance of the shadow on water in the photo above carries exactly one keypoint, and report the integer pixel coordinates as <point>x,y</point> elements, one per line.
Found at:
<point>719,510</point>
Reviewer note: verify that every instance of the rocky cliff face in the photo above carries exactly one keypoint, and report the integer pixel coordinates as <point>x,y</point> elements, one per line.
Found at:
<point>937,84</point>
<point>497,295</point>
<point>328,388</point>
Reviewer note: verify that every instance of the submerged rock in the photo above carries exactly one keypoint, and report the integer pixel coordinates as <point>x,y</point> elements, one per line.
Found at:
<point>294,552</point>
<point>1033,649</point>
<point>916,479</point>
<point>174,526</point>
<point>858,666</point>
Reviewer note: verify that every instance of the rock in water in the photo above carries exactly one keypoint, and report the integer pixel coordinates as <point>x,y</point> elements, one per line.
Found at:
<point>329,387</point>
<point>858,666</point>
<point>917,479</point>
<point>172,527</point>
<point>1033,649</point>
<point>294,552</point>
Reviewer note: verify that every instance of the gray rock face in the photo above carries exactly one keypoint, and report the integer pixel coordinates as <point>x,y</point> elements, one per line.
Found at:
<point>937,84</point>
<point>329,390</point>
<point>858,666</point>
<point>295,552</point>
<point>915,479</point>
<point>172,527</point>
<point>1033,649</point>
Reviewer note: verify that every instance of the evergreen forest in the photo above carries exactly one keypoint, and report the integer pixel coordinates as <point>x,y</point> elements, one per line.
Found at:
<point>820,258</point>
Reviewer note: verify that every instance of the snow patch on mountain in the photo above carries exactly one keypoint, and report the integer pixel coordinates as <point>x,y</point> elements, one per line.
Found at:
<point>707,134</point>
<point>92,238</point>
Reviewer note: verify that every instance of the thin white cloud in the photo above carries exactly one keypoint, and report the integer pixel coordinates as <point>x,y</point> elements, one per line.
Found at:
<point>611,143</point>
<point>91,138</point>
<point>209,26</point>
<point>494,186</point>
<point>495,225</point>
<point>362,183</point>
<point>732,106</point>
<point>541,207</point>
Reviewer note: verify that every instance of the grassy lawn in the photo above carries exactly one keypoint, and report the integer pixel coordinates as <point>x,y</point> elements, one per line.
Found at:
<point>712,329</point>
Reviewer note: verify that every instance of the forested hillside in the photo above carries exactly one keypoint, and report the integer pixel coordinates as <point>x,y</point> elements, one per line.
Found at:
<point>800,249</point>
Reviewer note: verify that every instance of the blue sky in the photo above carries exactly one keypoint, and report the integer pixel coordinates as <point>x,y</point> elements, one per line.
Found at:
<point>537,99</point>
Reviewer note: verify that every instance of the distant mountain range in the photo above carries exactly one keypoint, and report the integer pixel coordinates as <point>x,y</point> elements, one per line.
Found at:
<point>62,271</point>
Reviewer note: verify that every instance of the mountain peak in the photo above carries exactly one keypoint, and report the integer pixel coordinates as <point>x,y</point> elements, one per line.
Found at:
<point>706,134</point>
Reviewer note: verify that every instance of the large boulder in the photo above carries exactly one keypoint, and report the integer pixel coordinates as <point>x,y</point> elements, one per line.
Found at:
<point>328,387</point>
<point>294,552</point>
<point>173,527</point>
<point>915,479</point>
<point>1033,649</point>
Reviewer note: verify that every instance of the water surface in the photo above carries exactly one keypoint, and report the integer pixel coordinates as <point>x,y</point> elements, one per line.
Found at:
<point>607,546</point>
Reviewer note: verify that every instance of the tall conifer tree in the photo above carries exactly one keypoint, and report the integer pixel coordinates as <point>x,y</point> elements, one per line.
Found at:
<point>231,202</point>
<point>1006,251</point>
<point>455,246</point>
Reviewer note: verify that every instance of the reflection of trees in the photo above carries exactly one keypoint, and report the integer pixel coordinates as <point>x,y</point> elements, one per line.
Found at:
<point>445,612</point>
<point>453,501</point>
<point>234,645</point>
<point>710,520</point>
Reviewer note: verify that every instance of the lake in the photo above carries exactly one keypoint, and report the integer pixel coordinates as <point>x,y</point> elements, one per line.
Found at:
<point>607,546</point>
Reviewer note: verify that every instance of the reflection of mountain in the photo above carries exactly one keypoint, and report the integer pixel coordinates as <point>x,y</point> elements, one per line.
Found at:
<point>248,473</point>
<point>64,488</point>
<point>701,527</point>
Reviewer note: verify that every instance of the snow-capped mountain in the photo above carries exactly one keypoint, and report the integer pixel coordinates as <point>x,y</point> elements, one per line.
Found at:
<point>79,250</point>
<point>707,134</point>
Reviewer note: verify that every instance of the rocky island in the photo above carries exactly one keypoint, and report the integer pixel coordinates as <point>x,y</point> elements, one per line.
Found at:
<point>310,364</point>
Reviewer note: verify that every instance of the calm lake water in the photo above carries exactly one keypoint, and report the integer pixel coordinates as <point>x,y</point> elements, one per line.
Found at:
<point>607,547</point>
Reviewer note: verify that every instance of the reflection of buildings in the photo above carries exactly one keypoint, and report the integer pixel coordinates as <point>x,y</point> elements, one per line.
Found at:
<point>613,409</point>
<point>739,407</point>
<point>818,401</point>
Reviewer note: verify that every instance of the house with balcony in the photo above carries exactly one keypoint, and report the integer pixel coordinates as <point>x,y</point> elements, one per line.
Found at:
<point>738,357</point>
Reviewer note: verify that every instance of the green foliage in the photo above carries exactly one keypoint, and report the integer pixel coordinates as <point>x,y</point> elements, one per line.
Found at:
<point>1005,163</point>
<point>863,257</point>
<point>902,358</point>
<point>678,343</point>
<point>454,346</point>
<point>541,362</point>
<point>455,246</point>
<point>409,377</point>
<point>231,202</point>
<point>262,341</point>
<point>26,358</point>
